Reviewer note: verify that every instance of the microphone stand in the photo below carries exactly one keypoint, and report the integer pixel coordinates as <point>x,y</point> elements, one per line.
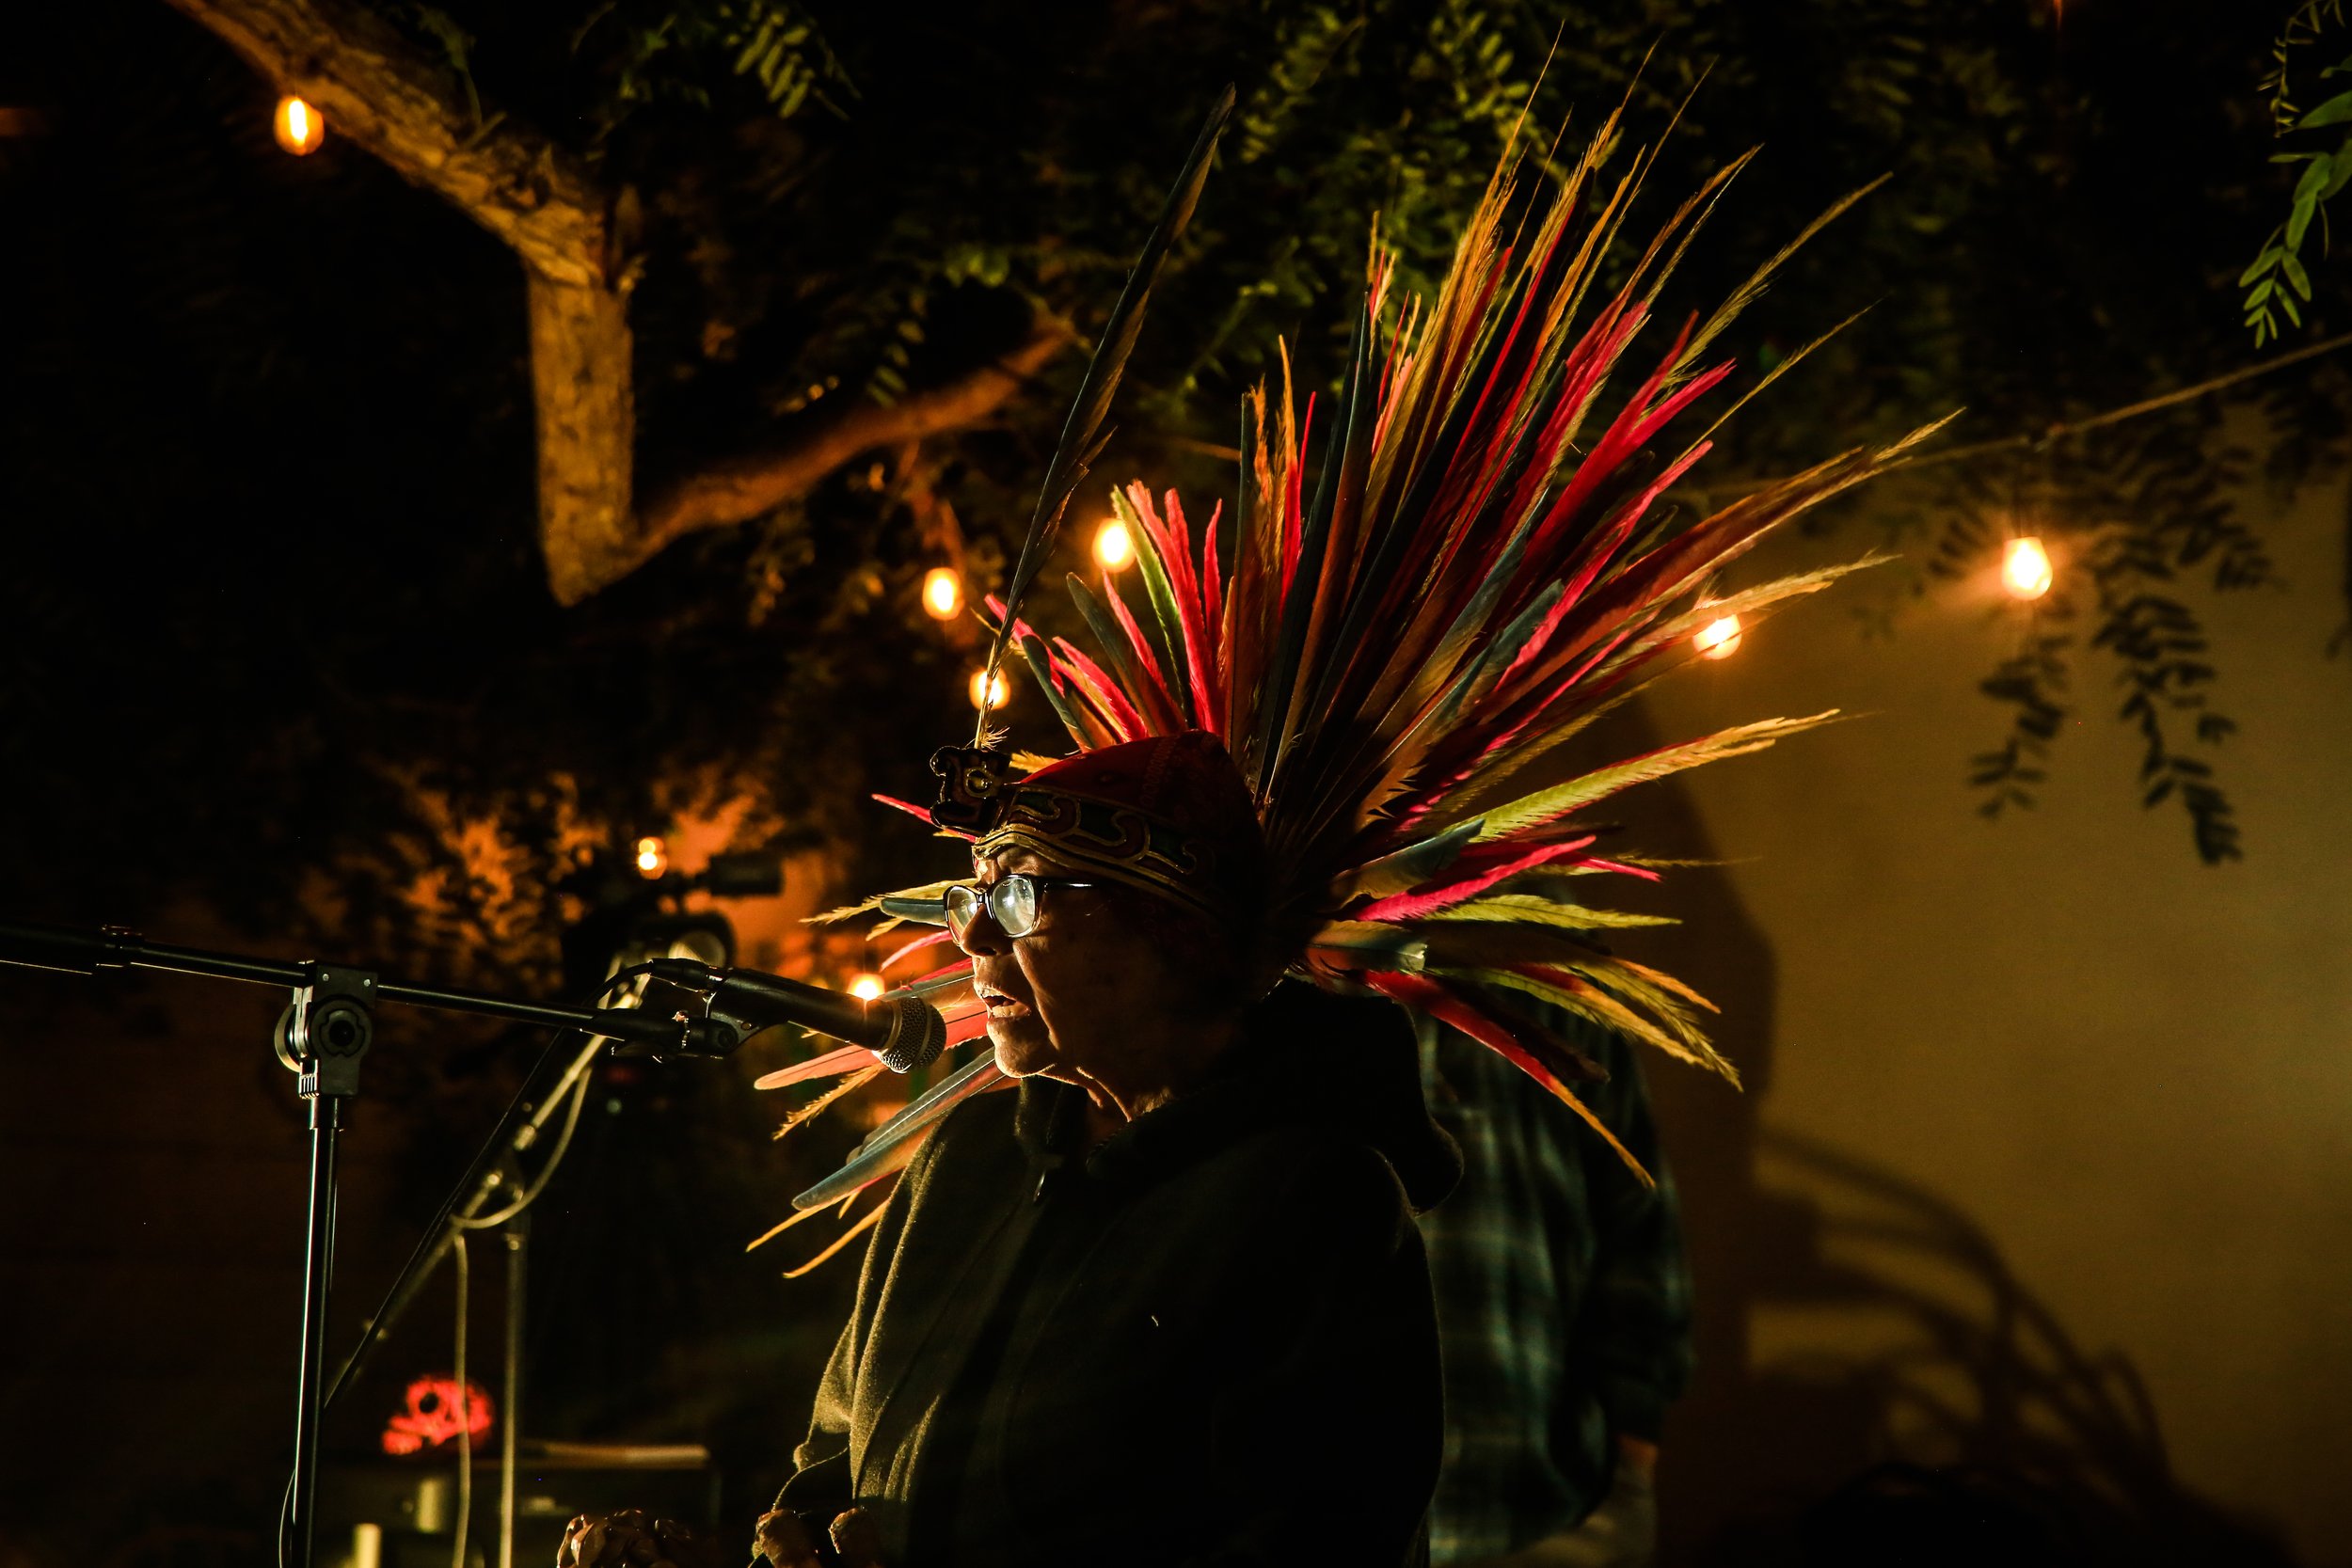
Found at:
<point>322,1036</point>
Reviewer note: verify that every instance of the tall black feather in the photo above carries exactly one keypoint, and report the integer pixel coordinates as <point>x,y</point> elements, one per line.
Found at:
<point>1082,436</point>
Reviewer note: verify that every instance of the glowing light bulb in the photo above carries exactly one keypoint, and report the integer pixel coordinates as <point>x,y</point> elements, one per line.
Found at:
<point>2025,570</point>
<point>868,987</point>
<point>653,858</point>
<point>998,692</point>
<point>943,593</point>
<point>301,128</point>
<point>1114,546</point>
<point>1718,639</point>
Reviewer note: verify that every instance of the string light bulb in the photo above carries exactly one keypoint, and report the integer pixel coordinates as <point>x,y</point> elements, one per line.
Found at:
<point>943,593</point>
<point>2025,570</point>
<point>653,858</point>
<point>867,986</point>
<point>1114,546</point>
<point>299,126</point>
<point>998,693</point>
<point>1718,639</point>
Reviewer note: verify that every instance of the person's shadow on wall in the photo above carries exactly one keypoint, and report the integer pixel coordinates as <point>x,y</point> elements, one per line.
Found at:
<point>2038,1451</point>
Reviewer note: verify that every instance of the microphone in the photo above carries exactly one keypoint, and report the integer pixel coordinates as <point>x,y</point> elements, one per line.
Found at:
<point>904,1032</point>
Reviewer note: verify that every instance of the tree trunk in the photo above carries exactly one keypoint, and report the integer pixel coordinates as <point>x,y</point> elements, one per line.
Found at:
<point>581,379</point>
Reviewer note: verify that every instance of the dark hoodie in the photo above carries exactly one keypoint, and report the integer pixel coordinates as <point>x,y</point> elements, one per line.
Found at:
<point>1206,1340</point>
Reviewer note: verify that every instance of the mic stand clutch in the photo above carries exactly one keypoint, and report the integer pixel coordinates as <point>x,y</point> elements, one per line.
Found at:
<point>324,1036</point>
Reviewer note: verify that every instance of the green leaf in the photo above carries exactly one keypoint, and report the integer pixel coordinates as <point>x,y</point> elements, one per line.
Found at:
<point>2286,303</point>
<point>2307,188</point>
<point>2342,161</point>
<point>2336,111</point>
<point>2300,219</point>
<point>2260,265</point>
<point>2262,292</point>
<point>2297,276</point>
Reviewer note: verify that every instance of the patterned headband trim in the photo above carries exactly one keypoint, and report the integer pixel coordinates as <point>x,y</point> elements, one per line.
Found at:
<point>979,795</point>
<point>1118,841</point>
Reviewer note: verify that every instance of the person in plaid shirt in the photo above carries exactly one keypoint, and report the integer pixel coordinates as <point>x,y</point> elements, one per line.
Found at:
<point>1564,1312</point>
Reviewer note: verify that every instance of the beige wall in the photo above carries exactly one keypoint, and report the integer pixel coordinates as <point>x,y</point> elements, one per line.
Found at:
<point>2079,1073</point>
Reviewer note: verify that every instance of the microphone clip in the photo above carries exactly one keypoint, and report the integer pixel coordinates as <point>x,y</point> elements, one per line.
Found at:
<point>697,1039</point>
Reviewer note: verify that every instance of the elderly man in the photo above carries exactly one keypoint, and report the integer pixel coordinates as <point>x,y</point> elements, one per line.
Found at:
<point>1166,1303</point>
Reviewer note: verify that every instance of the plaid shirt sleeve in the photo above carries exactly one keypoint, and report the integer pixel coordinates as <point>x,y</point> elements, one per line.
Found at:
<point>1562,1290</point>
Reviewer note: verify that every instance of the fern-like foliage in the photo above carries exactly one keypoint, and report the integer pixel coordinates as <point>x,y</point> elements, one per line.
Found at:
<point>2277,277</point>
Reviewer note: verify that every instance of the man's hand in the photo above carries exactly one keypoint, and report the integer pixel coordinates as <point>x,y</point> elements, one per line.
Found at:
<point>783,1541</point>
<point>630,1540</point>
<point>1621,1532</point>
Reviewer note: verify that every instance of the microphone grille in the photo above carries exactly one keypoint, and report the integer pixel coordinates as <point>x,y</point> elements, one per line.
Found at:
<point>918,1037</point>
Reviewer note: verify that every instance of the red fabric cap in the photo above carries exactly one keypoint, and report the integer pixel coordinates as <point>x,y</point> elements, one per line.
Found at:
<point>1169,814</point>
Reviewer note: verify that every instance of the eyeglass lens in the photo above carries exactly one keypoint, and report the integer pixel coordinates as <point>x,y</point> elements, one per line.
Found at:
<point>1011,902</point>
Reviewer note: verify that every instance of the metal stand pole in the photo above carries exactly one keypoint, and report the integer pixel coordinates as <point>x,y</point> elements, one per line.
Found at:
<point>323,1035</point>
<point>517,1265</point>
<point>326,1116</point>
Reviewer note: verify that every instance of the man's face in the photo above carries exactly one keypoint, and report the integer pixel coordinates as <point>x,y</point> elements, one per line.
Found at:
<point>1059,998</point>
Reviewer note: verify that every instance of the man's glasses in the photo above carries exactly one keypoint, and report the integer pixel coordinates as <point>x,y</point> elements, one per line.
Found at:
<point>1010,900</point>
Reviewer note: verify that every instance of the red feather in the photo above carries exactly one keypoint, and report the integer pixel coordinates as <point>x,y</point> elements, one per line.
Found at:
<point>1416,904</point>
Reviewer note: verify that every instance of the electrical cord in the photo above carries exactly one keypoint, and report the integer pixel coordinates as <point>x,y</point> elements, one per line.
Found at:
<point>547,1172</point>
<point>465,1402</point>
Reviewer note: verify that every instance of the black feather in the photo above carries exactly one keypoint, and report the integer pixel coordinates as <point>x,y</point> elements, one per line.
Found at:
<point>1082,436</point>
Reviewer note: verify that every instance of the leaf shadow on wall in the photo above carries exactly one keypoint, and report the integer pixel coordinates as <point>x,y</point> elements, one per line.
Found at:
<point>1957,1420</point>
<point>1969,1419</point>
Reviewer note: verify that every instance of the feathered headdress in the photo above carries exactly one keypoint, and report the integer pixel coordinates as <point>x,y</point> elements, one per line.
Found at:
<point>1392,639</point>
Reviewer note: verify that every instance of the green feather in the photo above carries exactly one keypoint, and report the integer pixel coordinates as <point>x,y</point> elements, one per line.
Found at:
<point>1547,805</point>
<point>1408,867</point>
<point>1371,945</point>
<point>1166,626</point>
<point>1534,909</point>
<point>933,891</point>
<point>1041,671</point>
<point>1113,640</point>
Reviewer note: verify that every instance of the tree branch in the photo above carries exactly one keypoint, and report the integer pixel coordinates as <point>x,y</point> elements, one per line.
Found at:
<point>739,489</point>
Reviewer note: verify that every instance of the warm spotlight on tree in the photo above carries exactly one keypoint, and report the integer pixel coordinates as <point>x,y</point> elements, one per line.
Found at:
<point>299,126</point>
<point>653,858</point>
<point>998,692</point>
<point>2026,568</point>
<point>1114,546</point>
<point>943,593</point>
<point>1718,639</point>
